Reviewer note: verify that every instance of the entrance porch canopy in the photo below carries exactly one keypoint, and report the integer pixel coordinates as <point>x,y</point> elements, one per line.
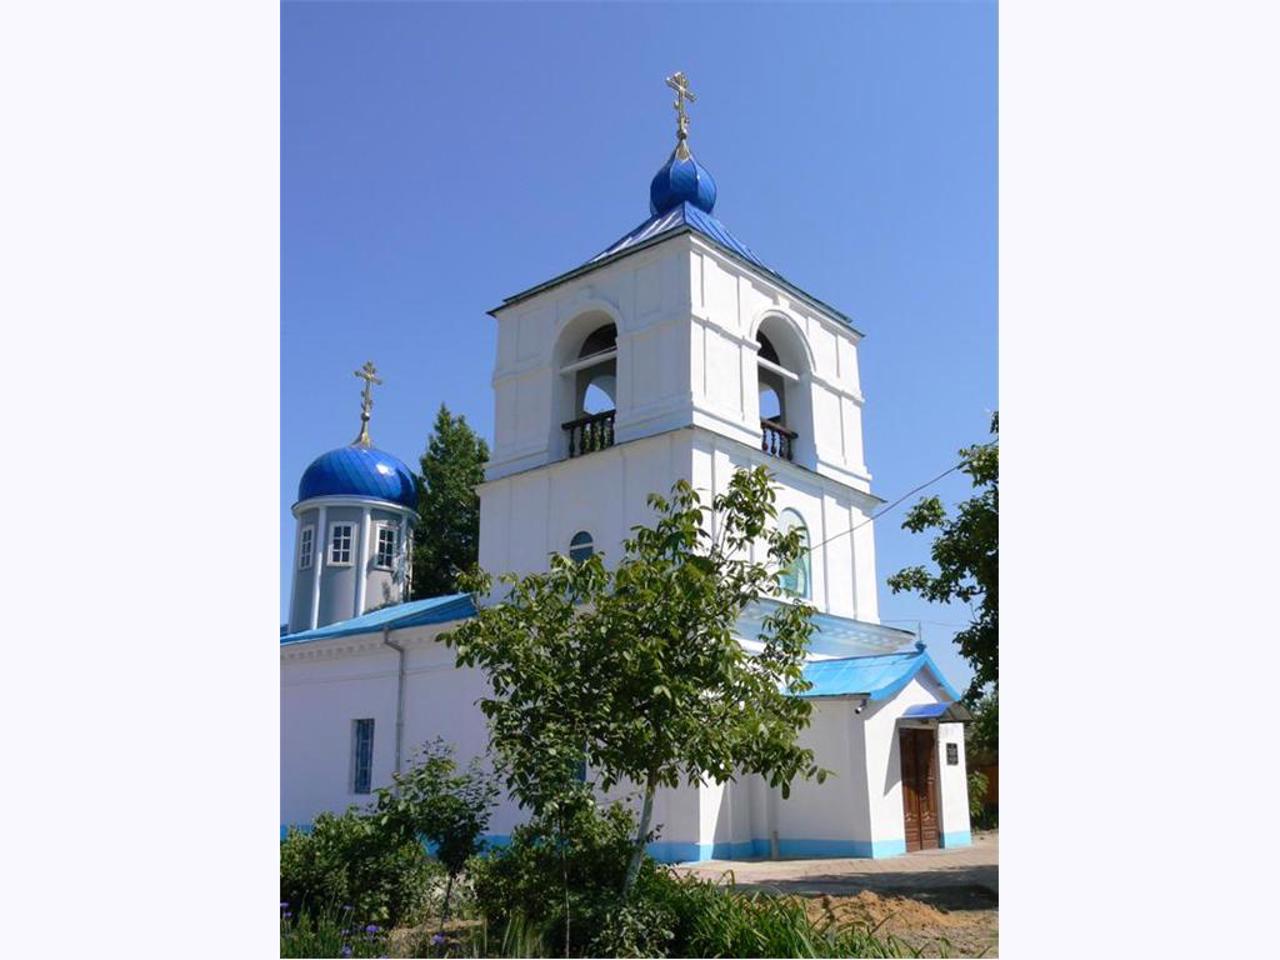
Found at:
<point>874,677</point>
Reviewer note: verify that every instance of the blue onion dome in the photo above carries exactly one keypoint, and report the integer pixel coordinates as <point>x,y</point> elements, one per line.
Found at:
<point>682,179</point>
<point>359,471</point>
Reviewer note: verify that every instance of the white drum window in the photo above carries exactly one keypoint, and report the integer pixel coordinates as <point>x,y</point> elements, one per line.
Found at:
<point>306,548</point>
<point>340,538</point>
<point>385,556</point>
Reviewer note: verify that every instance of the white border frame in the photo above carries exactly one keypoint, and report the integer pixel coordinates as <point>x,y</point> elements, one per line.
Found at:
<point>328,544</point>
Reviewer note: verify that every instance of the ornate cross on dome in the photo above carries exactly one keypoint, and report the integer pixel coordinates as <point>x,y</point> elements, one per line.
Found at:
<point>369,374</point>
<point>680,84</point>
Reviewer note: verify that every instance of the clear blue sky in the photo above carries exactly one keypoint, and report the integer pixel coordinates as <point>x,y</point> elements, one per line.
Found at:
<point>438,157</point>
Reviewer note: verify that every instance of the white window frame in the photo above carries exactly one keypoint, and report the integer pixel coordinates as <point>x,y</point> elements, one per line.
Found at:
<point>307,547</point>
<point>394,530</point>
<point>351,544</point>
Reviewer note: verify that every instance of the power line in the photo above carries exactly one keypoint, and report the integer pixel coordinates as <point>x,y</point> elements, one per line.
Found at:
<point>876,516</point>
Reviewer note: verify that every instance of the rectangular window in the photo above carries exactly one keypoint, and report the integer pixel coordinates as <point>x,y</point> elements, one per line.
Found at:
<point>953,755</point>
<point>386,555</point>
<point>340,543</point>
<point>361,755</point>
<point>306,548</point>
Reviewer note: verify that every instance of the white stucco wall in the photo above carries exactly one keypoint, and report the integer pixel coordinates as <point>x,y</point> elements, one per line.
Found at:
<point>327,685</point>
<point>526,516</point>
<point>884,765</point>
<point>687,318</point>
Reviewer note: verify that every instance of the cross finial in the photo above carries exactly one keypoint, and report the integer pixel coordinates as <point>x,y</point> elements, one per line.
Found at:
<point>680,84</point>
<point>369,374</point>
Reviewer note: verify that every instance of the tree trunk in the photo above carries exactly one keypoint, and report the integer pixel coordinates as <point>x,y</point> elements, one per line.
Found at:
<point>637,855</point>
<point>444,913</point>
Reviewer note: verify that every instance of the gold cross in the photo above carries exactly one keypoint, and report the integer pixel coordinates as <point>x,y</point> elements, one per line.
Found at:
<point>680,84</point>
<point>369,374</point>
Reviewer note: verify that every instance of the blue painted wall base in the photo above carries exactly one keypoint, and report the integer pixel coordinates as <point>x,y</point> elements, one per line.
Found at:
<point>671,851</point>
<point>667,851</point>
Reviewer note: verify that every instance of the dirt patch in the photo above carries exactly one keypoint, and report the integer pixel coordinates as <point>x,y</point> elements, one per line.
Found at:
<point>416,941</point>
<point>968,933</point>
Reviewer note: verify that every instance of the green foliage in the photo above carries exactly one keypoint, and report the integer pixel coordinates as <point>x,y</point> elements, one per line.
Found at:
<point>563,877</point>
<point>966,553</point>
<point>982,736</point>
<point>521,890</point>
<point>714,920</point>
<point>447,538</point>
<point>332,932</point>
<point>348,860</point>
<point>435,802</point>
<point>978,783</point>
<point>636,672</point>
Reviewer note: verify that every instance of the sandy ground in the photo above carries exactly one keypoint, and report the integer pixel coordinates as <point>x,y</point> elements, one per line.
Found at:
<point>942,902</point>
<point>945,902</point>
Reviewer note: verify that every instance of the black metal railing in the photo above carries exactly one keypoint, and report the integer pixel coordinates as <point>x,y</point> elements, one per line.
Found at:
<point>777,440</point>
<point>590,433</point>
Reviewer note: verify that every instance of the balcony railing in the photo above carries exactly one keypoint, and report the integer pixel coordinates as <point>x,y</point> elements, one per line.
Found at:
<point>590,433</point>
<point>777,440</point>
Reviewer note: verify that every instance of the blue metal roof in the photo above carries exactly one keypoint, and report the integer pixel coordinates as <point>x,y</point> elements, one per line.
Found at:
<point>682,215</point>
<point>360,472</point>
<point>877,678</point>
<point>832,635</point>
<point>415,613</point>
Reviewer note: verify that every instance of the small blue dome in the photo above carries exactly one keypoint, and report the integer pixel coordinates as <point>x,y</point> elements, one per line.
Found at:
<point>681,180</point>
<point>359,472</point>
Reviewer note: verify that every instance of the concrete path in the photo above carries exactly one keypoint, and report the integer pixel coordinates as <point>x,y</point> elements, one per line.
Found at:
<point>963,878</point>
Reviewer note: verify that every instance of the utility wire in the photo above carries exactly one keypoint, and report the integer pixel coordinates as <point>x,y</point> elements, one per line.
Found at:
<point>880,513</point>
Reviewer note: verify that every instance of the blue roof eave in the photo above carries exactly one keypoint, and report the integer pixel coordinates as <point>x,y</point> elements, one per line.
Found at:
<point>883,681</point>
<point>415,613</point>
<point>660,238</point>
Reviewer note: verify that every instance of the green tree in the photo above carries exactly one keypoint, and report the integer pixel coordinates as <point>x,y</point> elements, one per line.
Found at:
<point>635,671</point>
<point>447,538</point>
<point>966,552</point>
<point>433,801</point>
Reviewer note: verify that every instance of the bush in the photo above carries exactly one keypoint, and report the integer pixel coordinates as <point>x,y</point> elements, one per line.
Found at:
<point>568,882</point>
<point>977,793</point>
<point>436,803</point>
<point>347,861</point>
<point>522,892</point>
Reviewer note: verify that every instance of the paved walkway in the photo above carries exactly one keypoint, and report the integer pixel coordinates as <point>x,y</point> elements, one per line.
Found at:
<point>958,878</point>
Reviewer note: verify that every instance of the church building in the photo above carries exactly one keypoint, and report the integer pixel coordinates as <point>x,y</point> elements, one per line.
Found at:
<point>676,352</point>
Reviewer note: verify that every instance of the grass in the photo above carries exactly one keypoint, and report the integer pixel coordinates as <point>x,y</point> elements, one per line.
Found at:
<point>686,917</point>
<point>332,932</point>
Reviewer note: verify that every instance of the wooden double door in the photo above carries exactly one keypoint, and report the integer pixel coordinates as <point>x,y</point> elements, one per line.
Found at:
<point>919,750</point>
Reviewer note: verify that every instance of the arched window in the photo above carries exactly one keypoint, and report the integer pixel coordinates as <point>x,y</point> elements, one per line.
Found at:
<point>795,580</point>
<point>581,547</point>
<point>587,390</point>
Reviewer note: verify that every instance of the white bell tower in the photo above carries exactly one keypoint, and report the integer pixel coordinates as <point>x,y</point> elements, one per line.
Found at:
<point>676,353</point>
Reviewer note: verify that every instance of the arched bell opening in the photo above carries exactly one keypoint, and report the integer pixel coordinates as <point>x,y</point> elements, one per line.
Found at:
<point>783,380</point>
<point>587,384</point>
